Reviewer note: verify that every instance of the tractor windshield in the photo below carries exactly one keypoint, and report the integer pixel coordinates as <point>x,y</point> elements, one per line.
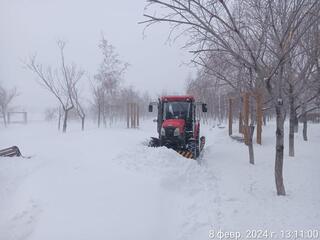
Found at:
<point>176,110</point>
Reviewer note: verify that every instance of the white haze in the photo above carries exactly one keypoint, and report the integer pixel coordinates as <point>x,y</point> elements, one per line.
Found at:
<point>34,26</point>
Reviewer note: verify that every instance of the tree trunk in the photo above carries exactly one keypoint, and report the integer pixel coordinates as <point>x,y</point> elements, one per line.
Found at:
<point>305,123</point>
<point>259,116</point>
<point>230,117</point>
<point>59,120</point>
<point>82,122</point>
<point>138,115</point>
<point>250,145</point>
<point>99,116</point>
<point>65,119</point>
<point>128,115</point>
<point>305,128</point>
<point>104,119</point>
<point>264,119</point>
<point>4,118</point>
<point>296,122</point>
<point>240,122</point>
<point>291,123</point>
<point>278,169</point>
<point>245,107</point>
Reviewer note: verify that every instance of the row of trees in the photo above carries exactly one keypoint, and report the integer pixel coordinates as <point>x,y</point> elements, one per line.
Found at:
<point>109,97</point>
<point>6,98</point>
<point>252,45</point>
<point>207,89</point>
<point>66,83</point>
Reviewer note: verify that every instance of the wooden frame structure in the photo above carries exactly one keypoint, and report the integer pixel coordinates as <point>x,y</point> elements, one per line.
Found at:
<point>25,117</point>
<point>244,115</point>
<point>133,115</point>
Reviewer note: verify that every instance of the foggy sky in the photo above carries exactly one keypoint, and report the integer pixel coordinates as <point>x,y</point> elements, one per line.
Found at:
<point>34,26</point>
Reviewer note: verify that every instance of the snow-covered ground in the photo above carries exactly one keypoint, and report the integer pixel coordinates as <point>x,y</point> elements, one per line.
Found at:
<point>107,184</point>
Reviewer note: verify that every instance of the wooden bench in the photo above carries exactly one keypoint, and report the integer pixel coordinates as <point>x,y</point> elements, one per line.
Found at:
<point>10,152</point>
<point>237,138</point>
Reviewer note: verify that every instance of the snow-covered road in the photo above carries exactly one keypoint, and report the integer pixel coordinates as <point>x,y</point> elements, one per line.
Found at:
<point>106,184</point>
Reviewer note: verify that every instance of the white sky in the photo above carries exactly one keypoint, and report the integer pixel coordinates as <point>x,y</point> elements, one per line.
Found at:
<point>34,26</point>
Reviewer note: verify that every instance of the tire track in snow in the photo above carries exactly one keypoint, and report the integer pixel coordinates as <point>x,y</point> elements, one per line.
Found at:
<point>18,218</point>
<point>194,184</point>
<point>216,205</point>
<point>21,225</point>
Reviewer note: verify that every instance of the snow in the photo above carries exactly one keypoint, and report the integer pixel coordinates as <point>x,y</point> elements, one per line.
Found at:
<point>107,184</point>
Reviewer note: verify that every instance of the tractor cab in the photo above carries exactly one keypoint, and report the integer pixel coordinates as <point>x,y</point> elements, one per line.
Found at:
<point>177,125</point>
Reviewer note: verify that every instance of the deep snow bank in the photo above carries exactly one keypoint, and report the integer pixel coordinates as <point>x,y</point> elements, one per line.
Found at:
<point>248,199</point>
<point>106,184</point>
<point>100,184</point>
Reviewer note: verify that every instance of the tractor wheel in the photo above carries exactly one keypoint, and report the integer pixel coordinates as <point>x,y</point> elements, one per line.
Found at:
<point>197,149</point>
<point>194,149</point>
<point>154,142</point>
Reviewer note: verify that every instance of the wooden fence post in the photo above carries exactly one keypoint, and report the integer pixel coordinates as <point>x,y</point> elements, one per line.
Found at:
<point>132,115</point>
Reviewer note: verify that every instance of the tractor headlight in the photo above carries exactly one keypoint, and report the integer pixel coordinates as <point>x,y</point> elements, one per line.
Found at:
<point>176,132</point>
<point>162,132</point>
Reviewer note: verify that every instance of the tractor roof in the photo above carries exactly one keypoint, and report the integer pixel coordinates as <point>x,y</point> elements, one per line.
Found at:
<point>177,98</point>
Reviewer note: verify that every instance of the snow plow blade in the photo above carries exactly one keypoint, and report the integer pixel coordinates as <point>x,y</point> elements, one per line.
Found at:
<point>186,154</point>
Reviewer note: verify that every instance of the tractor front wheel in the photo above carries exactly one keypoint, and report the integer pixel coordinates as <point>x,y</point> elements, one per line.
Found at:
<point>197,149</point>
<point>194,148</point>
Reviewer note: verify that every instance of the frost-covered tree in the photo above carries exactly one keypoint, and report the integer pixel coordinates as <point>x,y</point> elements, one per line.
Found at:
<point>6,98</point>
<point>259,36</point>
<point>107,80</point>
<point>60,81</point>
<point>78,103</point>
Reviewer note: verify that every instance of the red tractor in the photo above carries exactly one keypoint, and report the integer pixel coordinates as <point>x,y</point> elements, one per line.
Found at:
<point>177,125</point>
